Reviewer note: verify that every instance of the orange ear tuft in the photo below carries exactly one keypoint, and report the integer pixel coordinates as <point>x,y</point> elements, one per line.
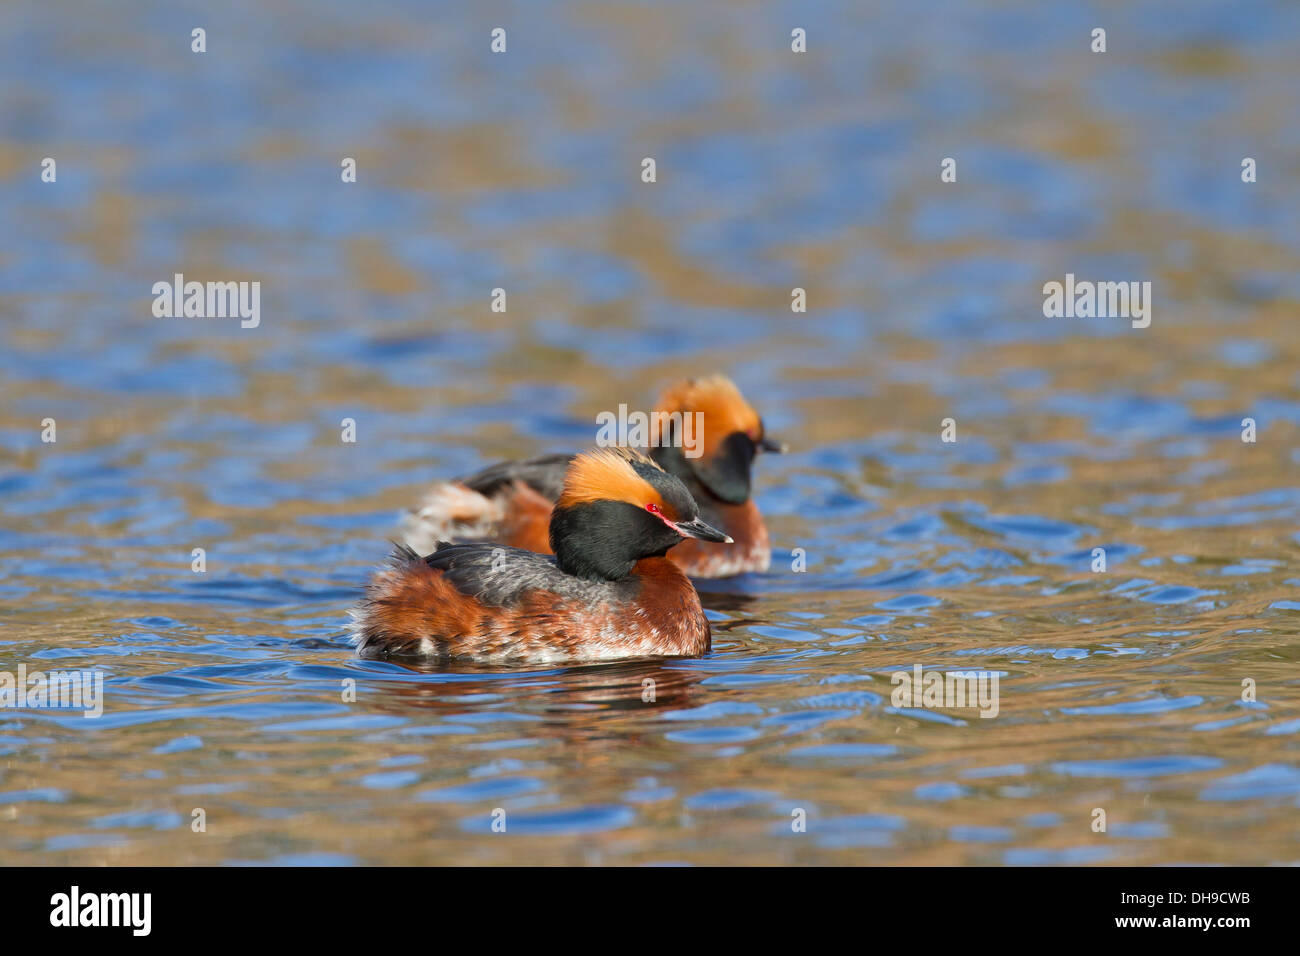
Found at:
<point>606,474</point>
<point>717,397</point>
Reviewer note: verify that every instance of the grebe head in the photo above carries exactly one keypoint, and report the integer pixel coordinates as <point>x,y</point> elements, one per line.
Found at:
<point>618,507</point>
<point>733,435</point>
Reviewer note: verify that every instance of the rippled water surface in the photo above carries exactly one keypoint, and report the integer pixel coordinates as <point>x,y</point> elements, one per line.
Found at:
<point>1119,690</point>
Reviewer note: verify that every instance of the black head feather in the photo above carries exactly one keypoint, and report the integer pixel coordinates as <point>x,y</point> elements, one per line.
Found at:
<point>603,539</point>
<point>727,474</point>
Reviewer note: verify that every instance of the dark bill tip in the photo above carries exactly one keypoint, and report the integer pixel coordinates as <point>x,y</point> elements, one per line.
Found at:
<point>698,529</point>
<point>769,444</point>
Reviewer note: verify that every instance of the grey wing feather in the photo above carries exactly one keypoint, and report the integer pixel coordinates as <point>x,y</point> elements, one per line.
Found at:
<point>500,576</point>
<point>544,474</point>
<point>495,574</point>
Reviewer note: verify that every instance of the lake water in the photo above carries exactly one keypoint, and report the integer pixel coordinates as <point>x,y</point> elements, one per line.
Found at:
<point>1119,690</point>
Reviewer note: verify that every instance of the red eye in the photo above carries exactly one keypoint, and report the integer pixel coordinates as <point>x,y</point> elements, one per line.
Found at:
<point>654,509</point>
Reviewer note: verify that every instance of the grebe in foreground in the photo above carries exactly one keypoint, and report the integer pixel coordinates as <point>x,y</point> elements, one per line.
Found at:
<point>608,593</point>
<point>511,501</point>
